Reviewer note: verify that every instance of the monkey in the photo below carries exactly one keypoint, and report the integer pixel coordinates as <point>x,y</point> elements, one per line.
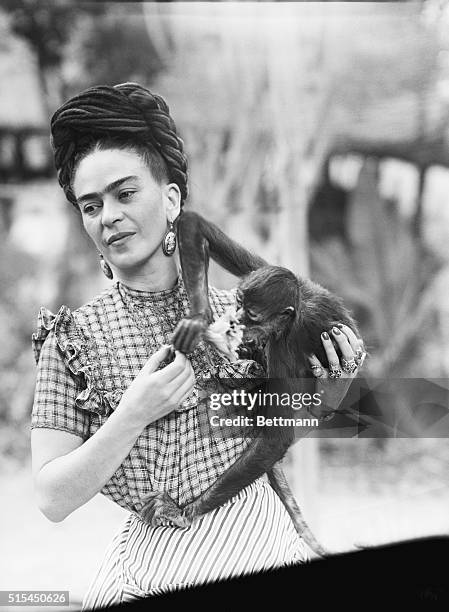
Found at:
<point>283,316</point>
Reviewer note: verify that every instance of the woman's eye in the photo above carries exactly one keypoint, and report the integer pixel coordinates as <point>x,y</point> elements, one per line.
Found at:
<point>88,209</point>
<point>125,195</point>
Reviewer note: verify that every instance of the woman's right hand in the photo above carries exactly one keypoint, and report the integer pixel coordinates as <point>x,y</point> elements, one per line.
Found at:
<point>68,472</point>
<point>155,393</point>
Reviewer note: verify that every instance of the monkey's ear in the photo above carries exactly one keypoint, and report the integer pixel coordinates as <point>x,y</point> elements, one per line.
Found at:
<point>289,310</point>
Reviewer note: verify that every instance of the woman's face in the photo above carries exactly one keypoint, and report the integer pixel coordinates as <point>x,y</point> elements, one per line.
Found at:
<point>124,209</point>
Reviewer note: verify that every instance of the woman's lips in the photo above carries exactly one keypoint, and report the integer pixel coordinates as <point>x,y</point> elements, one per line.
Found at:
<point>118,238</point>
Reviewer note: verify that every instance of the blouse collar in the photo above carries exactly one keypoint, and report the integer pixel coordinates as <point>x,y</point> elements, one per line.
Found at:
<point>155,296</point>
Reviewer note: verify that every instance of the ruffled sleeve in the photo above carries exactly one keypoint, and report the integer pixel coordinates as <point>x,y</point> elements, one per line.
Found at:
<point>64,327</point>
<point>69,346</point>
<point>56,391</point>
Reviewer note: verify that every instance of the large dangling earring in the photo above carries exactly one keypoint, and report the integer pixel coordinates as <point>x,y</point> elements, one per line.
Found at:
<point>105,267</point>
<point>169,241</point>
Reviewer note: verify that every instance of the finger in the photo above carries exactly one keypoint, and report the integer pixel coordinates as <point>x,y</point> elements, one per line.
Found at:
<point>177,367</point>
<point>331,353</point>
<point>178,381</point>
<point>355,342</point>
<point>184,390</point>
<point>343,342</point>
<point>186,374</point>
<point>179,335</point>
<point>189,334</point>
<point>360,357</point>
<point>157,358</point>
<point>184,397</point>
<point>317,368</point>
<point>176,376</point>
<point>350,348</point>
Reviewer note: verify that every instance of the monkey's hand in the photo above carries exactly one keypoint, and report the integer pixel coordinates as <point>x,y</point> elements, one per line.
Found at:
<point>189,332</point>
<point>190,513</point>
<point>160,510</point>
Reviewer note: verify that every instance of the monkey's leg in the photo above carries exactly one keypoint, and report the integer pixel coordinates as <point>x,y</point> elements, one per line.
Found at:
<point>159,509</point>
<point>256,460</point>
<point>279,483</point>
<point>197,239</point>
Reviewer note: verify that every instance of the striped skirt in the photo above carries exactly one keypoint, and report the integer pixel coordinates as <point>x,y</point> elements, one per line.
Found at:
<point>252,532</point>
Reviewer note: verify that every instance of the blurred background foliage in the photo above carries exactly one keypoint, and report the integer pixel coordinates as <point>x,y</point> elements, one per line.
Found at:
<point>317,135</point>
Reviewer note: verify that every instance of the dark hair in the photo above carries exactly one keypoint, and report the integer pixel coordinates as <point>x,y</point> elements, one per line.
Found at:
<point>125,116</point>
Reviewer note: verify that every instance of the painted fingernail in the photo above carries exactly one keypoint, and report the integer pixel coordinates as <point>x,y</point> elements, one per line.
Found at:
<point>340,325</point>
<point>336,330</point>
<point>325,335</point>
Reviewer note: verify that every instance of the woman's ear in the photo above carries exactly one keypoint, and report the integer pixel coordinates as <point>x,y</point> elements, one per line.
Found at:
<point>172,200</point>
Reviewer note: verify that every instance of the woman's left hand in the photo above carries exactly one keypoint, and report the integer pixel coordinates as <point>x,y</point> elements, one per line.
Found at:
<point>333,382</point>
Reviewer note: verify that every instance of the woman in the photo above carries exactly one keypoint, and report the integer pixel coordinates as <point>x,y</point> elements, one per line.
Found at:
<point>109,415</point>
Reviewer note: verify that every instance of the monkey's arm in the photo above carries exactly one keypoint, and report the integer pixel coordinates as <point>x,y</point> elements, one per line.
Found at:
<point>199,238</point>
<point>196,235</point>
<point>279,483</point>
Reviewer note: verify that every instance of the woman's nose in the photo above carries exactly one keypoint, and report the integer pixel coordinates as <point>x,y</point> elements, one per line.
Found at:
<point>111,212</point>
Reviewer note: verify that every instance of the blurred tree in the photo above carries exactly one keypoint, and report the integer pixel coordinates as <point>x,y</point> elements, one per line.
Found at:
<point>79,44</point>
<point>47,28</point>
<point>117,48</point>
<point>386,276</point>
<point>18,279</point>
<point>392,282</point>
<point>328,209</point>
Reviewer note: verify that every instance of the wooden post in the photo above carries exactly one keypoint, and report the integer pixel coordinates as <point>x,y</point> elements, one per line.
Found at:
<point>302,461</point>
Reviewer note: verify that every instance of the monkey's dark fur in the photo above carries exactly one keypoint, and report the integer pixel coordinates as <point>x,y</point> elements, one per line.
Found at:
<point>289,334</point>
<point>284,317</point>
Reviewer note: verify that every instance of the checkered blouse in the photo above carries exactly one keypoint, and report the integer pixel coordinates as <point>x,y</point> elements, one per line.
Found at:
<point>87,358</point>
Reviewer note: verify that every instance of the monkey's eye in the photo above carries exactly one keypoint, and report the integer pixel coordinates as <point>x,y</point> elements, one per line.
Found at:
<point>252,314</point>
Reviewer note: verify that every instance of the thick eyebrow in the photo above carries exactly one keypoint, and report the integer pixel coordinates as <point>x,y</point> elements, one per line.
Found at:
<point>107,189</point>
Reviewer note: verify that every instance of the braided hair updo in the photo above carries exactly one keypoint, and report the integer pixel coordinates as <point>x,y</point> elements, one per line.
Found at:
<point>122,116</point>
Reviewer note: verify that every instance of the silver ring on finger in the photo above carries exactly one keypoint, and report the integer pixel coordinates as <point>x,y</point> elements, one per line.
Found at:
<point>334,370</point>
<point>349,366</point>
<point>317,371</point>
<point>360,356</point>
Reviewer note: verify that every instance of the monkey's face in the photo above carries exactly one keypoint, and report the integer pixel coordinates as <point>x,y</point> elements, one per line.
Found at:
<point>265,307</point>
<point>274,304</point>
